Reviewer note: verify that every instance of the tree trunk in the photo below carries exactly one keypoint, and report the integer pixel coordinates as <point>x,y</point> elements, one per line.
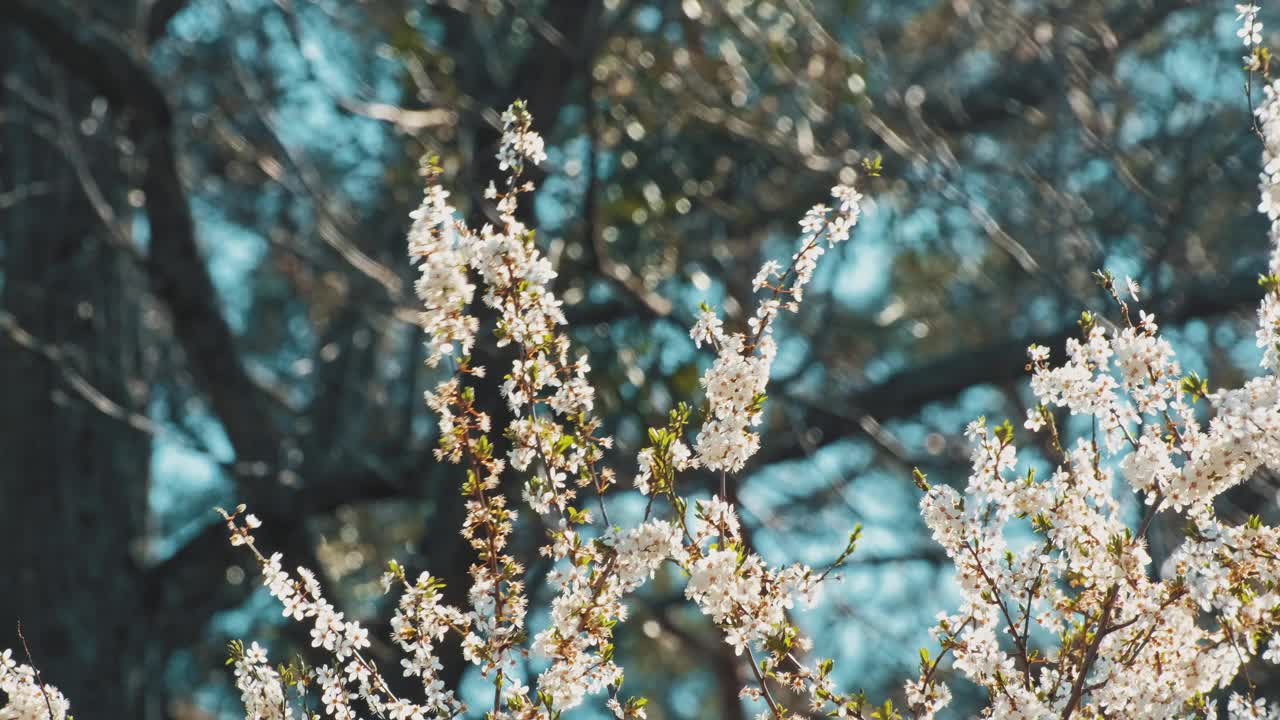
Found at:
<point>73,470</point>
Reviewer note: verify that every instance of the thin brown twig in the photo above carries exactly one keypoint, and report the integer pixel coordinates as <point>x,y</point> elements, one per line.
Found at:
<point>30,661</point>
<point>768,697</point>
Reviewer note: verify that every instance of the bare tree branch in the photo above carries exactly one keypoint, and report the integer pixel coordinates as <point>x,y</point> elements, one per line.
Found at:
<point>174,265</point>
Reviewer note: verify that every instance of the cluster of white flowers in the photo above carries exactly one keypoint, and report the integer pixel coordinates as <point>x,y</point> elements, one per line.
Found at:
<point>745,596</point>
<point>748,599</point>
<point>515,277</point>
<point>442,285</point>
<point>589,598</point>
<point>518,143</point>
<point>651,460</point>
<point>1119,621</point>
<point>347,675</point>
<point>735,382</point>
<point>1250,31</point>
<point>1133,640</point>
<point>28,697</point>
<point>261,688</point>
<point>642,549</point>
<point>1268,116</point>
<point>420,621</point>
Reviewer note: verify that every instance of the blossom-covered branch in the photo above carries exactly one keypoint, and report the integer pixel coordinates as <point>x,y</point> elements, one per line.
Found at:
<point>29,697</point>
<point>1064,614</point>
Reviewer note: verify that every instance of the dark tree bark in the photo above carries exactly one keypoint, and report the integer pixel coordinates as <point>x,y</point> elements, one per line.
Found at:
<point>73,478</point>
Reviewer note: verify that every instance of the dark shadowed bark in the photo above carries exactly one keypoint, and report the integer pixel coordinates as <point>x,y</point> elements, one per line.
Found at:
<point>73,478</point>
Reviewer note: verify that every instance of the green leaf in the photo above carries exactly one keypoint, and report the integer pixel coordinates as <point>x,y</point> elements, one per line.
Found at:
<point>921,480</point>
<point>873,166</point>
<point>1195,386</point>
<point>1004,432</point>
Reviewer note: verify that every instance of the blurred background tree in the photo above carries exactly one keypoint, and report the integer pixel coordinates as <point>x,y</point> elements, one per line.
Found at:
<point>205,296</point>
